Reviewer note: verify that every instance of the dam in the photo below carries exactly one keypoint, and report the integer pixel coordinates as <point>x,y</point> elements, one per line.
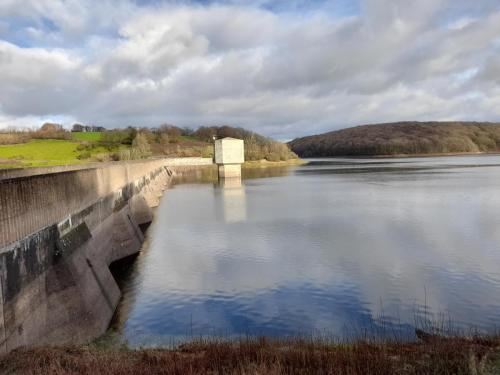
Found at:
<point>61,228</point>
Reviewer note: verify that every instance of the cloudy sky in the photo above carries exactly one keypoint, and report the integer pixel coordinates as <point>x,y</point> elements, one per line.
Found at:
<point>284,68</point>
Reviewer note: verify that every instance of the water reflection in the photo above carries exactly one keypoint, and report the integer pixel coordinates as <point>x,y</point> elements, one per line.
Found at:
<point>256,172</point>
<point>233,199</point>
<point>196,175</point>
<point>322,251</point>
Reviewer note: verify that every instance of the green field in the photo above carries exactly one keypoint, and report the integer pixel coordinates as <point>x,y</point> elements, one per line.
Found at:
<point>87,136</point>
<point>188,138</point>
<point>37,153</point>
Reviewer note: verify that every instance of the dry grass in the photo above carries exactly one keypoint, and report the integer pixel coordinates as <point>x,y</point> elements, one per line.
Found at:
<point>14,138</point>
<point>264,356</point>
<point>17,137</point>
<point>183,148</point>
<point>271,164</point>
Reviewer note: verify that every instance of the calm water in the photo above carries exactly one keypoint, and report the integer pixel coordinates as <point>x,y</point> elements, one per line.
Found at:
<point>332,247</point>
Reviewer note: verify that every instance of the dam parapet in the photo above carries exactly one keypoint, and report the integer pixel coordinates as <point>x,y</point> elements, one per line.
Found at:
<point>60,229</point>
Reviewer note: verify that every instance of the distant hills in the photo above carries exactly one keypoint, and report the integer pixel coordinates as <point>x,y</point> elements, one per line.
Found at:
<point>402,138</point>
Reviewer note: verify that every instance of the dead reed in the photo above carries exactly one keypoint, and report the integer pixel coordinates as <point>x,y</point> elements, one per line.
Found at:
<point>432,355</point>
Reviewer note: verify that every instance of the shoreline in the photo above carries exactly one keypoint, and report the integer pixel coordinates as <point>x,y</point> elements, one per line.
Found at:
<point>5,166</point>
<point>250,164</point>
<point>269,164</point>
<point>437,154</point>
<point>263,355</point>
<point>395,156</point>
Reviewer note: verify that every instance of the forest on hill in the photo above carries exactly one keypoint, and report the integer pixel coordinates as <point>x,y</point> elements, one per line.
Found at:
<point>402,138</point>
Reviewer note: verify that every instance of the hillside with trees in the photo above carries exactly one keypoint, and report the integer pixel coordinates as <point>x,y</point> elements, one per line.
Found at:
<point>257,147</point>
<point>172,141</point>
<point>402,138</point>
<point>51,144</point>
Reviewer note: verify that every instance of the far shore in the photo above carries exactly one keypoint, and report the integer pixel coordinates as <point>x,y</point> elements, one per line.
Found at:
<point>265,163</point>
<point>394,156</point>
<point>438,154</point>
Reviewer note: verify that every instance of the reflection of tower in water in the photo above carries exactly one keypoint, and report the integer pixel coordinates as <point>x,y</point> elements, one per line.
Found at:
<point>233,199</point>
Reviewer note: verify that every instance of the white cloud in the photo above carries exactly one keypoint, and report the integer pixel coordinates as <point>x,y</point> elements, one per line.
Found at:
<point>296,71</point>
<point>38,81</point>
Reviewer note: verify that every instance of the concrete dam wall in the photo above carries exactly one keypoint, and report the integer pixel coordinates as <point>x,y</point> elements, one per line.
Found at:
<point>60,229</point>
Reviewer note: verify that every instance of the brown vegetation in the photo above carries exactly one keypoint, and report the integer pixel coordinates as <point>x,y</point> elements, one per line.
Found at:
<point>51,127</point>
<point>46,131</point>
<point>408,138</point>
<point>12,138</point>
<point>257,147</point>
<point>264,356</point>
<point>169,140</point>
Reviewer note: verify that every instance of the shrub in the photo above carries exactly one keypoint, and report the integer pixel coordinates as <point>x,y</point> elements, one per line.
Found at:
<point>84,155</point>
<point>85,146</point>
<point>49,134</point>
<point>164,139</point>
<point>114,138</point>
<point>273,156</point>
<point>51,127</point>
<point>207,152</point>
<point>102,157</point>
<point>14,138</point>
<point>140,147</point>
<point>173,132</point>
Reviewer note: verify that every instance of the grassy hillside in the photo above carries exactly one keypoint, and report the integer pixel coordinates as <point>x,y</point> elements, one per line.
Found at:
<point>87,136</point>
<point>39,153</point>
<point>43,152</point>
<point>402,138</point>
<point>58,147</point>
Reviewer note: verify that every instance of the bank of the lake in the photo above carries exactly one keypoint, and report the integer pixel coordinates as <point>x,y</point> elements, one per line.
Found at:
<point>272,164</point>
<point>261,356</point>
<point>435,155</point>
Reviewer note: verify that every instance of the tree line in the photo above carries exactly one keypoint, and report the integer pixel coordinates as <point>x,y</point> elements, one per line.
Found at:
<point>171,140</point>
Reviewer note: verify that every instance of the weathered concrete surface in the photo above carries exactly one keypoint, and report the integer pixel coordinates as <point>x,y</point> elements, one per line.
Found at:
<point>230,171</point>
<point>229,155</point>
<point>174,162</point>
<point>59,234</point>
<point>23,172</point>
<point>30,203</point>
<point>229,151</point>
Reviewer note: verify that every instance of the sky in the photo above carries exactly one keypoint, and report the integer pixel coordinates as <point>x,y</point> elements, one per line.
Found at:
<point>284,68</point>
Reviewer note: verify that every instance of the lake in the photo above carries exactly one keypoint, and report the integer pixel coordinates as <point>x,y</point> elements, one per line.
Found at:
<point>340,247</point>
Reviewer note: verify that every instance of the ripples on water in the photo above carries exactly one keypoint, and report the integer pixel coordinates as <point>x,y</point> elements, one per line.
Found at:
<point>337,247</point>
